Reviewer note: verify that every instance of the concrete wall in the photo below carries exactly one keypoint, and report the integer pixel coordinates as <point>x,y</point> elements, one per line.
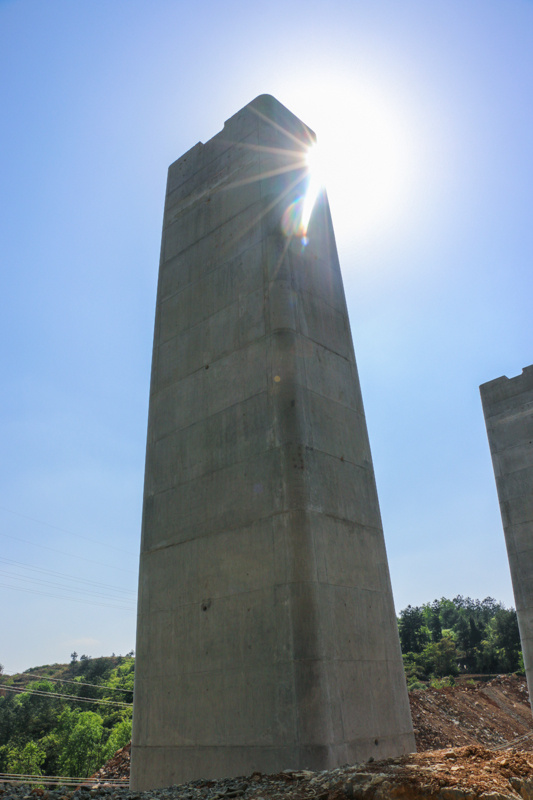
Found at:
<point>508,409</point>
<point>266,632</point>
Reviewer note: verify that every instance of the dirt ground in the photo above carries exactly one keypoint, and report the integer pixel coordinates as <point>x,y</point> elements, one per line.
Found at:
<point>490,713</point>
<point>473,741</point>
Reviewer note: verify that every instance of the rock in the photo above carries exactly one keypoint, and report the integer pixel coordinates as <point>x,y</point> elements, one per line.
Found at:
<point>384,791</point>
<point>356,791</point>
<point>523,787</point>
<point>237,791</point>
<point>495,796</point>
<point>454,794</point>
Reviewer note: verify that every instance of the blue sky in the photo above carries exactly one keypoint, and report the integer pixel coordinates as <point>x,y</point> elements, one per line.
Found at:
<point>427,107</point>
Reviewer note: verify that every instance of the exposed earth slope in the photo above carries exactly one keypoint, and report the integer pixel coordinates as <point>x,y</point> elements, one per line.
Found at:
<point>474,741</point>
<point>490,713</point>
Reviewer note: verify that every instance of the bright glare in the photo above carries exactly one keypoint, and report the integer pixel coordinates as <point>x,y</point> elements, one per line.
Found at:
<point>317,176</point>
<point>316,160</point>
<point>297,215</point>
<point>365,155</point>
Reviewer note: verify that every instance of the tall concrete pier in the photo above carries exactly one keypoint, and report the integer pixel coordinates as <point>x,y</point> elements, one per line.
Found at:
<point>508,410</point>
<point>266,634</point>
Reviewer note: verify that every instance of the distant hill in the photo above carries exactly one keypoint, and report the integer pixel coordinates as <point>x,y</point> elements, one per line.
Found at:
<point>66,719</point>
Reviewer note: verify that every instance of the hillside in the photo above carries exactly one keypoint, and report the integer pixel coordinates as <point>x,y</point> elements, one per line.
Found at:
<point>65,719</point>
<point>492,714</point>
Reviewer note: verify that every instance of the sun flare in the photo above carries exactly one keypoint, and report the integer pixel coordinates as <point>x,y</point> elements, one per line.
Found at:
<point>314,159</point>
<point>364,156</point>
<point>297,216</point>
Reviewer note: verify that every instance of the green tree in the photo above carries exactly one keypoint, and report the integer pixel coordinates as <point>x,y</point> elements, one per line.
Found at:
<point>500,647</point>
<point>119,737</point>
<point>449,612</point>
<point>26,760</point>
<point>440,658</point>
<point>415,671</point>
<point>81,752</point>
<point>433,621</point>
<point>34,714</point>
<point>413,631</point>
<point>508,637</point>
<point>484,633</point>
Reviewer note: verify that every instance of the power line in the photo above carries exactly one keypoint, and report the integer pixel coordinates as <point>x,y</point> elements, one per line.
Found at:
<point>63,552</point>
<point>60,780</point>
<point>30,676</point>
<point>63,588</point>
<point>63,575</point>
<point>62,530</point>
<point>62,597</point>
<point>72,697</point>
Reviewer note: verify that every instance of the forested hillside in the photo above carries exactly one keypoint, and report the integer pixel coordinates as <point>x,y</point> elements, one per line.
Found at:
<point>449,637</point>
<point>66,719</point>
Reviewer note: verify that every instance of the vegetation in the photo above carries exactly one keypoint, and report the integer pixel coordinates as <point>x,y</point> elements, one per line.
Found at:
<point>445,638</point>
<point>42,733</point>
<point>66,736</point>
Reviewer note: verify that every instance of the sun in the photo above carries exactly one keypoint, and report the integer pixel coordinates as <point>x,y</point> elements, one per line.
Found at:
<point>364,156</point>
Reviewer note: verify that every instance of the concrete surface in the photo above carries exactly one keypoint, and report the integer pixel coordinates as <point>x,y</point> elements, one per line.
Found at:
<point>508,410</point>
<point>266,631</point>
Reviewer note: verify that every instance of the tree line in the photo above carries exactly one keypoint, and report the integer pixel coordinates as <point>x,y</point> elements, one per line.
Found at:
<point>63,736</point>
<point>449,637</point>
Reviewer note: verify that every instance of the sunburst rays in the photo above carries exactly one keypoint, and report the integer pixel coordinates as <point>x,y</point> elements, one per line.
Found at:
<point>296,189</point>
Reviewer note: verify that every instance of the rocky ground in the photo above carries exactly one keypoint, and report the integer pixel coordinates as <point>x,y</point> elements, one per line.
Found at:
<point>474,742</point>
<point>490,714</point>
<point>117,768</point>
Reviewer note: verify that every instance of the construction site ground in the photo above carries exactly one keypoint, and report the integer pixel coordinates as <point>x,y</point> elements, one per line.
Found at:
<point>474,740</point>
<point>490,713</point>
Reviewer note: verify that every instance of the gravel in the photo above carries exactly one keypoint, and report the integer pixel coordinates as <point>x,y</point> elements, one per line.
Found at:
<point>462,773</point>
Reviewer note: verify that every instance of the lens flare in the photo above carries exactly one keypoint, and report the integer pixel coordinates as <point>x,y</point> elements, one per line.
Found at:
<point>295,177</point>
<point>297,216</point>
<point>316,168</point>
<point>292,219</point>
<point>373,145</point>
